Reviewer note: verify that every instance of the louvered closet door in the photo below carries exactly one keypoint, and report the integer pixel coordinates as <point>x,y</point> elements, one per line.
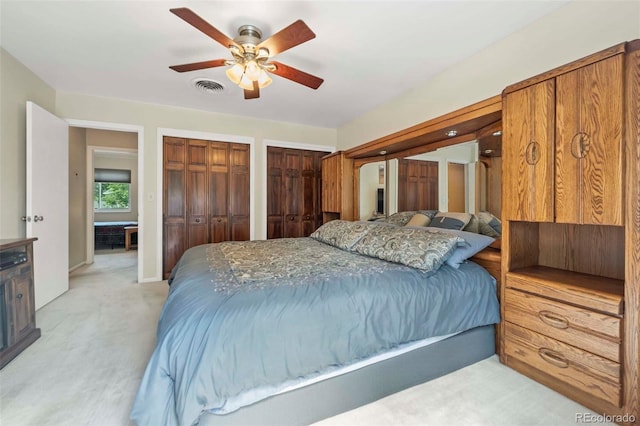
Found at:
<point>528,174</point>
<point>174,202</point>
<point>197,206</point>
<point>239,192</point>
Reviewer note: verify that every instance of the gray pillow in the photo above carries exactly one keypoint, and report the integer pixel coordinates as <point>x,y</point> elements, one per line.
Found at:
<point>473,243</point>
<point>342,234</point>
<point>421,248</point>
<point>491,220</point>
<point>450,220</point>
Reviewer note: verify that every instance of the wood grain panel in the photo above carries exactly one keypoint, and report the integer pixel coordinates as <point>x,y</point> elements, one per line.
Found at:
<point>528,147</point>
<point>631,137</point>
<point>582,248</point>
<point>583,328</point>
<point>590,373</point>
<point>588,291</point>
<point>292,181</point>
<point>589,144</point>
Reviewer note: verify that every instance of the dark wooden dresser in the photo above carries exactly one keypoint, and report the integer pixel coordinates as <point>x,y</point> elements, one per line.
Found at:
<point>17,304</point>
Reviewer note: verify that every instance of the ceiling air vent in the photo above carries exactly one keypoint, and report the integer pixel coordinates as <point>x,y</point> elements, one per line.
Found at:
<point>208,86</point>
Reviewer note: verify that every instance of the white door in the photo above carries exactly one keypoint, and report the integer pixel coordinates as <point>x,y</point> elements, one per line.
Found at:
<point>48,201</point>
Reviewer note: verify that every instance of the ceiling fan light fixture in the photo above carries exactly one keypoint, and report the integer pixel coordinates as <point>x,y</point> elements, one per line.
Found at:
<point>246,83</point>
<point>235,73</point>
<point>251,70</point>
<point>263,79</point>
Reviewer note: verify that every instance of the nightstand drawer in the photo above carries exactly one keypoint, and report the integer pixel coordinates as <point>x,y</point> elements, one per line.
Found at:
<point>592,331</point>
<point>590,373</point>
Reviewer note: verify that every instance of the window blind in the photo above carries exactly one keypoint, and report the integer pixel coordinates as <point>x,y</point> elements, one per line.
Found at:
<point>112,175</point>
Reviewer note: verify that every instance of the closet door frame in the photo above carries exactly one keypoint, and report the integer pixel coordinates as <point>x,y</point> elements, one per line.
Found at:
<point>157,197</point>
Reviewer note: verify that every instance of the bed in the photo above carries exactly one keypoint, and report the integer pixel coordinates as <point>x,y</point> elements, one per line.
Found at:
<point>291,331</point>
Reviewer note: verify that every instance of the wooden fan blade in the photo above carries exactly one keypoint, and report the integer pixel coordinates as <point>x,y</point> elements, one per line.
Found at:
<point>198,65</point>
<point>190,17</point>
<point>252,94</point>
<point>296,75</point>
<point>293,35</point>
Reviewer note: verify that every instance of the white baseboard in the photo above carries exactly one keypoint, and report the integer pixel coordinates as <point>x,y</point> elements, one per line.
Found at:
<point>77,266</point>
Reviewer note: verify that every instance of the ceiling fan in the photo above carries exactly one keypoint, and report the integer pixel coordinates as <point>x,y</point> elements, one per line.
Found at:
<point>251,55</point>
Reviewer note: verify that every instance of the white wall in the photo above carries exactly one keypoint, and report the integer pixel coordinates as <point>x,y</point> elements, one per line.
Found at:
<point>369,184</point>
<point>571,32</point>
<point>77,197</point>
<point>18,85</point>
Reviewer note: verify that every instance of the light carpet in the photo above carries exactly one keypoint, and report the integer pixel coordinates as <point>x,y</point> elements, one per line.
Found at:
<point>97,338</point>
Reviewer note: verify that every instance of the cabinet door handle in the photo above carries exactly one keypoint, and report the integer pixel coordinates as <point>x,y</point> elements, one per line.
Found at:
<point>531,153</point>
<point>291,218</point>
<point>19,296</point>
<point>553,358</point>
<point>554,320</point>
<point>580,145</point>
<point>219,219</point>
<point>197,220</point>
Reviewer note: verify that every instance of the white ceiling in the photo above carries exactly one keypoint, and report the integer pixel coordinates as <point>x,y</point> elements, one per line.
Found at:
<point>366,51</point>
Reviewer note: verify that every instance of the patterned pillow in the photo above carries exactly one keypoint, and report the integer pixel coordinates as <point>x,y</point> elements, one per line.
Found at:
<point>450,220</point>
<point>420,248</point>
<point>340,233</point>
<point>400,218</point>
<point>491,220</point>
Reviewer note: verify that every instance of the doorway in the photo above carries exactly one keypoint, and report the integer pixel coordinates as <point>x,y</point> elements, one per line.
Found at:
<point>121,143</point>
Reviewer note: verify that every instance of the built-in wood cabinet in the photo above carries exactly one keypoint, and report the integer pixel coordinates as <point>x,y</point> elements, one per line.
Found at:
<point>528,125</point>
<point>206,195</point>
<point>571,233</point>
<point>17,300</point>
<point>337,187</point>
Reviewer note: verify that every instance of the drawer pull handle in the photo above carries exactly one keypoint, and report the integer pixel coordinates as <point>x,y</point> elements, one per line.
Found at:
<point>553,358</point>
<point>553,320</point>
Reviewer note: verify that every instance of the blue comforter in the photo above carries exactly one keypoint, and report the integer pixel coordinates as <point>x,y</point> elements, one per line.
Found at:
<point>243,320</point>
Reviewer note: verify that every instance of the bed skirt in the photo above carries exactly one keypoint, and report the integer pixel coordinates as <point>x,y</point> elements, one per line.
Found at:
<point>336,395</point>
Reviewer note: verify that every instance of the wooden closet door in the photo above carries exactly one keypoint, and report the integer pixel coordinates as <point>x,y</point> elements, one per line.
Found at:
<point>275,201</point>
<point>589,144</point>
<point>197,205</point>
<point>318,184</point>
<point>239,192</point>
<point>308,193</point>
<point>218,191</point>
<point>292,193</point>
<point>528,128</point>
<point>417,185</point>
<point>174,240</point>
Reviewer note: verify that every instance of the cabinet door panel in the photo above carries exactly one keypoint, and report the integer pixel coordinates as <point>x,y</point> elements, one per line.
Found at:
<point>589,144</point>
<point>174,202</point>
<point>23,306</point>
<point>528,139</point>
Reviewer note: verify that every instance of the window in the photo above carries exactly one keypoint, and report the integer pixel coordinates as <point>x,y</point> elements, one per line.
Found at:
<point>112,190</point>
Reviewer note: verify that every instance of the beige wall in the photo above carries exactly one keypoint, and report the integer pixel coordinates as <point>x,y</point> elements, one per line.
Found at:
<point>77,197</point>
<point>573,31</point>
<point>152,117</point>
<point>17,86</point>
